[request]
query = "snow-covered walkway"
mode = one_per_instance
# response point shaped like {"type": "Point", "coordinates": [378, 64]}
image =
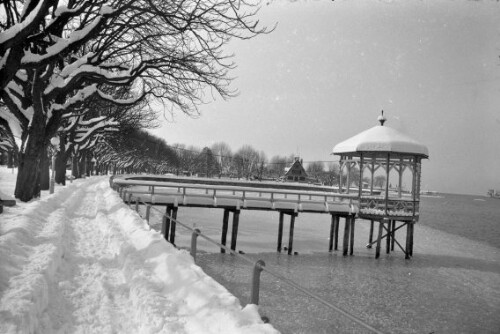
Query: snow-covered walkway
{"type": "Point", "coordinates": [80, 261]}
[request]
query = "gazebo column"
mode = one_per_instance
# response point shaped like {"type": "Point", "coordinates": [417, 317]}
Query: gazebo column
{"type": "Point", "coordinates": [372, 171]}
{"type": "Point", "coordinates": [348, 174]}
{"type": "Point", "coordinates": [400, 181]}
{"type": "Point", "coordinates": [341, 169]}
{"type": "Point", "coordinates": [361, 167]}
{"type": "Point", "coordinates": [387, 171]}
{"type": "Point", "coordinates": [414, 185]}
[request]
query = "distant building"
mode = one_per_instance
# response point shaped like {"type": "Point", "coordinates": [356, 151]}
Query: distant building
{"type": "Point", "coordinates": [295, 172]}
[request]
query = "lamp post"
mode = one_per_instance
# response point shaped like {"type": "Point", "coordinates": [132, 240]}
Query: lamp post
{"type": "Point", "coordinates": [54, 141]}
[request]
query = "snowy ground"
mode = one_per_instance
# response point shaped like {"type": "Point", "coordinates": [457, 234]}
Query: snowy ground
{"type": "Point", "coordinates": [81, 261]}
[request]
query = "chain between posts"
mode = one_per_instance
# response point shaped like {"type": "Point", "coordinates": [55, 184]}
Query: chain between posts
{"type": "Point", "coordinates": [258, 267]}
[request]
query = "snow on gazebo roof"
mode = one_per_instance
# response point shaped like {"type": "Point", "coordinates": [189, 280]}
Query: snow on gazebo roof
{"type": "Point", "coordinates": [381, 138]}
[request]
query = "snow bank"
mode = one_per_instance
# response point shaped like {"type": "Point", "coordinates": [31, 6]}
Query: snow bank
{"type": "Point", "coordinates": [81, 261]}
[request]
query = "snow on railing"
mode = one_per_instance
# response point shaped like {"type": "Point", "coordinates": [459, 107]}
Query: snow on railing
{"type": "Point", "coordinates": [240, 196]}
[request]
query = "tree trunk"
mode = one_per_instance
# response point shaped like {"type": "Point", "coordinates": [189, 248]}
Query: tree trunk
{"type": "Point", "coordinates": [88, 166]}
{"type": "Point", "coordinates": [61, 160]}
{"type": "Point", "coordinates": [10, 159]}
{"type": "Point", "coordinates": [81, 165]}
{"type": "Point", "coordinates": [28, 177]}
{"type": "Point", "coordinates": [61, 168]}
{"type": "Point", "coordinates": [75, 170]}
{"type": "Point", "coordinates": [44, 170]}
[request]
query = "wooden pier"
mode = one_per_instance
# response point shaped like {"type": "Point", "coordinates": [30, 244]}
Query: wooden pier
{"type": "Point", "coordinates": [234, 196]}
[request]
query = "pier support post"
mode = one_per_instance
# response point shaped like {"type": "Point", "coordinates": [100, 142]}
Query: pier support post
{"type": "Point", "coordinates": [225, 223]}
{"type": "Point", "coordinates": [290, 238]}
{"type": "Point", "coordinates": [393, 234]}
{"type": "Point", "coordinates": [388, 237]}
{"type": "Point", "coordinates": [412, 227]}
{"type": "Point", "coordinates": [370, 237]}
{"type": "Point", "coordinates": [280, 232]}
{"type": "Point", "coordinates": [234, 230]}
{"type": "Point", "coordinates": [408, 237]}
{"type": "Point", "coordinates": [346, 235]}
{"type": "Point", "coordinates": [351, 243]}
{"type": "Point", "coordinates": [332, 232]}
{"type": "Point", "coordinates": [379, 238]}
{"type": "Point", "coordinates": [336, 241]}
{"type": "Point", "coordinates": [173, 224]}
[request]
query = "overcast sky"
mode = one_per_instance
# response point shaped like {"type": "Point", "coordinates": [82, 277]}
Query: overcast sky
{"type": "Point", "coordinates": [329, 68]}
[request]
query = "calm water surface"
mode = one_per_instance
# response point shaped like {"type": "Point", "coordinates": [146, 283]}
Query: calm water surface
{"type": "Point", "coordinates": [452, 284]}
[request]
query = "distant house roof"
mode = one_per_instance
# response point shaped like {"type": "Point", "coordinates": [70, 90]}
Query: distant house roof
{"type": "Point", "coordinates": [296, 169]}
{"type": "Point", "coordinates": [381, 139]}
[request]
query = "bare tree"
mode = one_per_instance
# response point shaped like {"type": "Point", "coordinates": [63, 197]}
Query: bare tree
{"type": "Point", "coordinates": [224, 157]}
{"type": "Point", "coordinates": [56, 58]}
{"type": "Point", "coordinates": [316, 169]}
{"type": "Point", "coordinates": [277, 165]}
{"type": "Point", "coordinates": [246, 161]}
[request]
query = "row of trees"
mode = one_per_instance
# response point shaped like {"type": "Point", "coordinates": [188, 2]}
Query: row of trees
{"type": "Point", "coordinates": [219, 160]}
{"type": "Point", "coordinates": [90, 72]}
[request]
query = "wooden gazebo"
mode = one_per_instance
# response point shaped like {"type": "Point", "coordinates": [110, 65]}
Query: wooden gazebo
{"type": "Point", "coordinates": [392, 152]}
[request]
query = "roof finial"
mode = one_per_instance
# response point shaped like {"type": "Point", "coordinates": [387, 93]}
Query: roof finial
{"type": "Point", "coordinates": [382, 119]}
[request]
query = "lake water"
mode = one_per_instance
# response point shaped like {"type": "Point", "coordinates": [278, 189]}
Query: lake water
{"type": "Point", "coordinates": [451, 285]}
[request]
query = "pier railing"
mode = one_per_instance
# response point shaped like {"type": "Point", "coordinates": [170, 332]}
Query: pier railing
{"type": "Point", "coordinates": [239, 197]}
{"type": "Point", "coordinates": [257, 266]}
{"type": "Point", "coordinates": [390, 207]}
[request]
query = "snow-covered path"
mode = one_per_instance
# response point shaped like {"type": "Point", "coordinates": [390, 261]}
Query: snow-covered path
{"type": "Point", "coordinates": [80, 261]}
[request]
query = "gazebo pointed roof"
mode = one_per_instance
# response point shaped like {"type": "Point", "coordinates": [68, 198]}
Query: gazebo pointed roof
{"type": "Point", "coordinates": [381, 139]}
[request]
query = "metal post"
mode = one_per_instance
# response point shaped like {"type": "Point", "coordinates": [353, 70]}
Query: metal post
{"type": "Point", "coordinates": [166, 222]}
{"type": "Point", "coordinates": [194, 237]}
{"type": "Point", "coordinates": [136, 203]}
{"type": "Point", "coordinates": [254, 294]}
{"type": "Point", "coordinates": [129, 198]}
{"type": "Point", "coordinates": [148, 209]}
